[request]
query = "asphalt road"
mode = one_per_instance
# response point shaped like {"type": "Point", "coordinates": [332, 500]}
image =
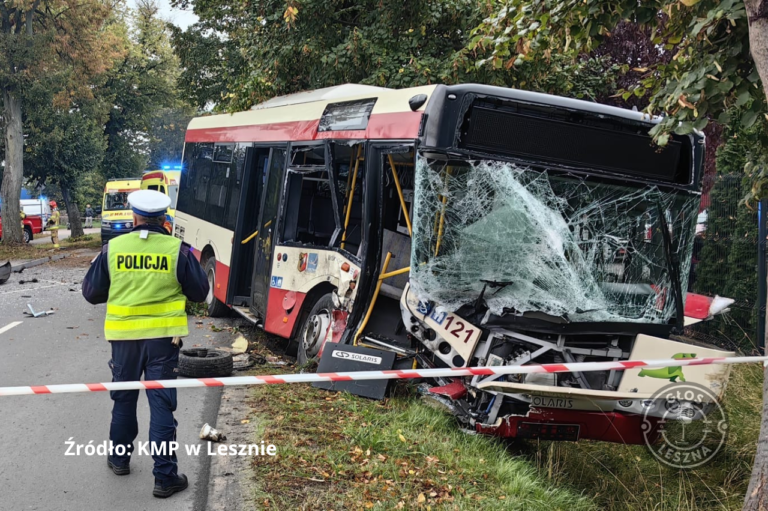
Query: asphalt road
{"type": "Point", "coordinates": [69, 347]}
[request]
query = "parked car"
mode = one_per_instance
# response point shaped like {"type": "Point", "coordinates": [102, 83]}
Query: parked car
{"type": "Point", "coordinates": [33, 224]}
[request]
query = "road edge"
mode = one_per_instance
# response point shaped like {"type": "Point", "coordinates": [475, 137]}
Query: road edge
{"type": "Point", "coordinates": [229, 486]}
{"type": "Point", "coordinates": [37, 262]}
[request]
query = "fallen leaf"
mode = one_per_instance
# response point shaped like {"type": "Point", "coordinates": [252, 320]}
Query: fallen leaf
{"type": "Point", "coordinates": [244, 421]}
{"type": "Point", "coordinates": [421, 498]}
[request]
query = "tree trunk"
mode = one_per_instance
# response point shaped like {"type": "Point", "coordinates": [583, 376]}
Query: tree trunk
{"type": "Point", "coordinates": [757, 493]}
{"type": "Point", "coordinates": [13, 172]}
{"type": "Point", "coordinates": [73, 213]}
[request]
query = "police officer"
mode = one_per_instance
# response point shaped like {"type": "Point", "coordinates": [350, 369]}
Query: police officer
{"type": "Point", "coordinates": [146, 277]}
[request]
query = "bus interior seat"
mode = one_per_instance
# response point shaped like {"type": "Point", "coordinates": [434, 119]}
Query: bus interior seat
{"type": "Point", "coordinates": [400, 247]}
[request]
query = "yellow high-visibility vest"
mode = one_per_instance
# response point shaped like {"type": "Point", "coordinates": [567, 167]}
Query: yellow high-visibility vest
{"type": "Point", "coordinates": [145, 298]}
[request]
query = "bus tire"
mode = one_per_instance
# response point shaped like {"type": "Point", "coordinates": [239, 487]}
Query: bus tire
{"type": "Point", "coordinates": [216, 309]}
{"type": "Point", "coordinates": [312, 330]}
{"type": "Point", "coordinates": [205, 363]}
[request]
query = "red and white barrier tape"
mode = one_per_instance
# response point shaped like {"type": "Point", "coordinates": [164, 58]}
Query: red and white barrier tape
{"type": "Point", "coordinates": [371, 375]}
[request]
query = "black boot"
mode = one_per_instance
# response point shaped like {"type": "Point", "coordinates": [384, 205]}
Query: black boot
{"type": "Point", "coordinates": [165, 489]}
{"type": "Point", "coordinates": [118, 469]}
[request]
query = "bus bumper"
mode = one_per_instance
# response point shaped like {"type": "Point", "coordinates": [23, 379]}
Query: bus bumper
{"type": "Point", "coordinates": [554, 424]}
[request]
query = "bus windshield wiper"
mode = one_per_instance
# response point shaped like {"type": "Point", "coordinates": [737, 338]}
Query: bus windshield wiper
{"type": "Point", "coordinates": [673, 266]}
{"type": "Point", "coordinates": [493, 284]}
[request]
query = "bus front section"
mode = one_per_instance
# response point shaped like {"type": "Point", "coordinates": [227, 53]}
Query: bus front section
{"type": "Point", "coordinates": [548, 230]}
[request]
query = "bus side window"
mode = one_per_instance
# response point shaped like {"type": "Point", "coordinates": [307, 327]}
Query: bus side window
{"type": "Point", "coordinates": [309, 213]}
{"type": "Point", "coordinates": [194, 183]}
{"type": "Point", "coordinates": [217, 193]}
{"type": "Point", "coordinates": [235, 182]}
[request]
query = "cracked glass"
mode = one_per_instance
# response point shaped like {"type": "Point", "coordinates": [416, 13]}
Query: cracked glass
{"type": "Point", "coordinates": [531, 240]}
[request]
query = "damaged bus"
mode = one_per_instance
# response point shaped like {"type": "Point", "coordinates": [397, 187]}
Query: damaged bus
{"type": "Point", "coordinates": [460, 226]}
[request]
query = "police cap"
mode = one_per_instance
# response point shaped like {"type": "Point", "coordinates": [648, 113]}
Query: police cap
{"type": "Point", "coordinates": [149, 202]}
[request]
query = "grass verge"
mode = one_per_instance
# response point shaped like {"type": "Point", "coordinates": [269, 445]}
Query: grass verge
{"type": "Point", "coordinates": [620, 477]}
{"type": "Point", "coordinates": [29, 251]}
{"type": "Point", "coordinates": [338, 451]}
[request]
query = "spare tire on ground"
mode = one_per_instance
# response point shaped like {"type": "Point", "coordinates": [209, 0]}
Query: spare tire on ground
{"type": "Point", "coordinates": [205, 363]}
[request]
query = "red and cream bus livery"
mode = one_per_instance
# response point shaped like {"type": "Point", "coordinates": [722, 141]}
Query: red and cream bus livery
{"type": "Point", "coordinates": [460, 226]}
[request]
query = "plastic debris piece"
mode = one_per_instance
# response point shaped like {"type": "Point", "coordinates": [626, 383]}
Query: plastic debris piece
{"type": "Point", "coordinates": [240, 345]}
{"type": "Point", "coordinates": [37, 314]}
{"type": "Point", "coordinates": [212, 434]}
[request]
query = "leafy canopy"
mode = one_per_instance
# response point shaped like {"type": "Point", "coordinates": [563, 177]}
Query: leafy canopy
{"type": "Point", "coordinates": [711, 74]}
{"type": "Point", "coordinates": [241, 53]}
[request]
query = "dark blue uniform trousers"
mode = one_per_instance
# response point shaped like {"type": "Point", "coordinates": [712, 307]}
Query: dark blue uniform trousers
{"type": "Point", "coordinates": [157, 359]}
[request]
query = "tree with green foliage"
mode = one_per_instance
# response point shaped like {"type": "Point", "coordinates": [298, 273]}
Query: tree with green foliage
{"type": "Point", "coordinates": [137, 89]}
{"type": "Point", "coordinates": [240, 54]}
{"type": "Point", "coordinates": [169, 125]}
{"type": "Point", "coordinates": [38, 39]}
{"type": "Point", "coordinates": [63, 147]}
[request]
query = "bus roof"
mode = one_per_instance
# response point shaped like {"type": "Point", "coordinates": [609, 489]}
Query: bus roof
{"type": "Point", "coordinates": [296, 117]}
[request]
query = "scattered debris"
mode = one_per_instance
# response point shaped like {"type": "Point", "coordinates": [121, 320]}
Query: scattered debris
{"type": "Point", "coordinates": [275, 361]}
{"type": "Point", "coordinates": [240, 345]}
{"type": "Point", "coordinates": [37, 314]}
{"type": "Point", "coordinates": [212, 434]}
{"type": "Point", "coordinates": [242, 362]}
{"type": "Point", "coordinates": [5, 272]}
{"type": "Point", "coordinates": [26, 296]}
{"type": "Point", "coordinates": [33, 281]}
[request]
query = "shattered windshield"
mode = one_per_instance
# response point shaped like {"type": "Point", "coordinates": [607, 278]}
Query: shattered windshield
{"type": "Point", "coordinates": [586, 251]}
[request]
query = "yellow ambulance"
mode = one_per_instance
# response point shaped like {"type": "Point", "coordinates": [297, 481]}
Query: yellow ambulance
{"type": "Point", "coordinates": [116, 215]}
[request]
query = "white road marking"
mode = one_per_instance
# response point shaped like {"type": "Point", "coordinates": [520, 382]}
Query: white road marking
{"type": "Point", "coordinates": [9, 326]}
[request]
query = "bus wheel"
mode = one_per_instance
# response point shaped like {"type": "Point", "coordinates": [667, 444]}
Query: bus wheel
{"type": "Point", "coordinates": [216, 309]}
{"type": "Point", "coordinates": [313, 330]}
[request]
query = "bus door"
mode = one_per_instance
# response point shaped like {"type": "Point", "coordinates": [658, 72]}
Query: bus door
{"type": "Point", "coordinates": [270, 180]}
{"type": "Point", "coordinates": [246, 227]}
